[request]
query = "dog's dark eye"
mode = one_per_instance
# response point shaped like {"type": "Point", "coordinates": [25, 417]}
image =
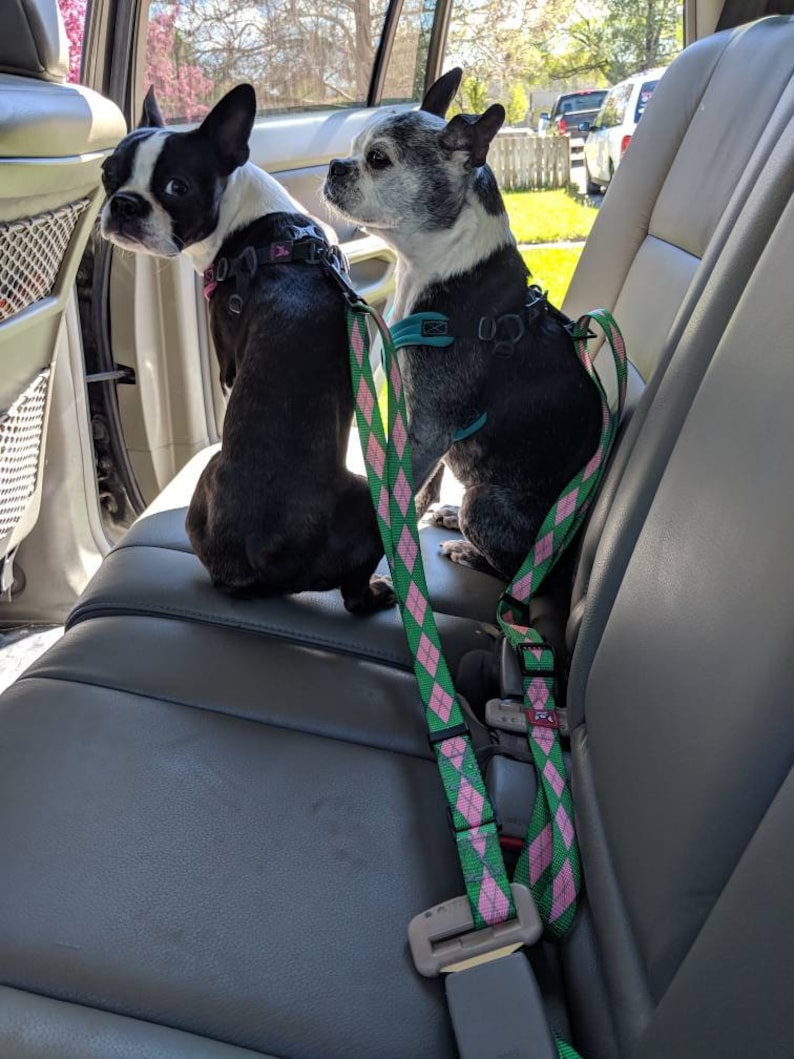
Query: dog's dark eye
{"type": "Point", "coordinates": [378, 160]}
{"type": "Point", "coordinates": [176, 187]}
{"type": "Point", "coordinates": [108, 175]}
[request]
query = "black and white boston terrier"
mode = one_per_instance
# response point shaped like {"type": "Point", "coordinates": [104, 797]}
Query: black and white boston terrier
{"type": "Point", "coordinates": [423, 185]}
{"type": "Point", "coordinates": [275, 511]}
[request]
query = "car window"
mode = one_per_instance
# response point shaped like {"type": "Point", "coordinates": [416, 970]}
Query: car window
{"type": "Point", "coordinates": [585, 101]}
{"type": "Point", "coordinates": [300, 55]}
{"type": "Point", "coordinates": [646, 91]}
{"type": "Point", "coordinates": [405, 76]}
{"type": "Point", "coordinates": [614, 109]}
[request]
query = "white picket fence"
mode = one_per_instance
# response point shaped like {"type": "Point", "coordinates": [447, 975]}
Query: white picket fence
{"type": "Point", "coordinates": [524, 160]}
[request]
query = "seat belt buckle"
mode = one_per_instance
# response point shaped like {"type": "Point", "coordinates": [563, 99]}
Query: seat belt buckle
{"type": "Point", "coordinates": [443, 938]}
{"type": "Point", "coordinates": [506, 715]}
{"type": "Point", "coordinates": [497, 1010]}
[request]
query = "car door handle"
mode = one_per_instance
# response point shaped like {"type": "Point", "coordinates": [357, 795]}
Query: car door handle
{"type": "Point", "coordinates": [372, 266]}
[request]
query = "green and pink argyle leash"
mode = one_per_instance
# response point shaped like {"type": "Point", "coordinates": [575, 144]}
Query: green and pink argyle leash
{"type": "Point", "coordinates": [549, 861]}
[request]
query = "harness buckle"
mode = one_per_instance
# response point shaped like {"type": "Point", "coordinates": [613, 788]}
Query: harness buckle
{"type": "Point", "coordinates": [443, 938]}
{"type": "Point", "coordinates": [221, 269]}
{"type": "Point", "coordinates": [235, 304]}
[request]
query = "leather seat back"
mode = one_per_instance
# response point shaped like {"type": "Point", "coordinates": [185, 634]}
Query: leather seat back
{"type": "Point", "coordinates": [674, 209]}
{"type": "Point", "coordinates": [53, 138]}
{"type": "Point", "coordinates": [680, 694]}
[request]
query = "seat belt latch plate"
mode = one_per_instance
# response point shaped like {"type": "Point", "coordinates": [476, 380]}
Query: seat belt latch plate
{"type": "Point", "coordinates": [443, 938]}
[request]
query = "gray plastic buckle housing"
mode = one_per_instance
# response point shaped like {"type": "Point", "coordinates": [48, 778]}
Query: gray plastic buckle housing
{"type": "Point", "coordinates": [508, 716]}
{"type": "Point", "coordinates": [513, 787]}
{"type": "Point", "coordinates": [444, 939]}
{"type": "Point", "coordinates": [497, 1011]}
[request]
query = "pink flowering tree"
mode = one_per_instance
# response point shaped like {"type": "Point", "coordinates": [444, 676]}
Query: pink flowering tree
{"type": "Point", "coordinates": [184, 92]}
{"type": "Point", "coordinates": [73, 12]}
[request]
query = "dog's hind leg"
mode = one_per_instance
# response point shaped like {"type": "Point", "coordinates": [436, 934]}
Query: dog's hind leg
{"type": "Point", "coordinates": [429, 494]}
{"type": "Point", "coordinates": [499, 525]}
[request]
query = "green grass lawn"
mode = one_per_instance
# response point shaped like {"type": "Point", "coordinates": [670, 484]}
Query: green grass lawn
{"type": "Point", "coordinates": [552, 268]}
{"type": "Point", "coordinates": [548, 216]}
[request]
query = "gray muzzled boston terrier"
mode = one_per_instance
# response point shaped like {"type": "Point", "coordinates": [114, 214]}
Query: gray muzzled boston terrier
{"type": "Point", "coordinates": [423, 185]}
{"type": "Point", "coordinates": [275, 511]}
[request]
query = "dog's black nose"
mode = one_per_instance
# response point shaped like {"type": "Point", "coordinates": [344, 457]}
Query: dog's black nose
{"type": "Point", "coordinates": [126, 207]}
{"type": "Point", "coordinates": [339, 167]}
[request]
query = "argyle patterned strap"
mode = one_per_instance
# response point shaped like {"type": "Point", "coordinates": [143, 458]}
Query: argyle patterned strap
{"type": "Point", "coordinates": [549, 862]}
{"type": "Point", "coordinates": [565, 1050]}
{"type": "Point", "coordinates": [391, 484]}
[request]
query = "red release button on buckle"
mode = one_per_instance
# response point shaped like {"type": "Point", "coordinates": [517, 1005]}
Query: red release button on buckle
{"type": "Point", "coordinates": [542, 718]}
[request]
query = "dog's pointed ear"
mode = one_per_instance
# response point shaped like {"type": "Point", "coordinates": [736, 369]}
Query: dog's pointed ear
{"type": "Point", "coordinates": [151, 116]}
{"type": "Point", "coordinates": [228, 126]}
{"type": "Point", "coordinates": [473, 134]}
{"type": "Point", "coordinates": [441, 93]}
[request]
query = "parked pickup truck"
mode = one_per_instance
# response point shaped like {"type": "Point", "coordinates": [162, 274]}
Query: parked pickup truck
{"type": "Point", "coordinates": [572, 108]}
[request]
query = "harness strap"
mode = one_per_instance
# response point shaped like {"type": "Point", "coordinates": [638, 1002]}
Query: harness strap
{"type": "Point", "coordinates": [307, 244]}
{"type": "Point", "coordinates": [505, 331]}
{"type": "Point", "coordinates": [472, 428]}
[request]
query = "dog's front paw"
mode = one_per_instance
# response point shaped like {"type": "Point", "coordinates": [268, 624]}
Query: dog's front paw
{"type": "Point", "coordinates": [378, 595]}
{"type": "Point", "coordinates": [446, 515]}
{"type": "Point", "coordinates": [383, 594]}
{"type": "Point", "coordinates": [464, 553]}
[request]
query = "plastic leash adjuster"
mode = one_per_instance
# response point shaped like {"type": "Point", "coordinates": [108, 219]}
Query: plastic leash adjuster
{"type": "Point", "coordinates": [443, 938]}
{"type": "Point", "coordinates": [531, 666]}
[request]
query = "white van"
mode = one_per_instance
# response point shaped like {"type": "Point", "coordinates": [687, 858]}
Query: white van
{"type": "Point", "coordinates": [611, 132]}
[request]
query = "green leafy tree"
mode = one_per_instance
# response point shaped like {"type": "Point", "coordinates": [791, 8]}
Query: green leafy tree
{"type": "Point", "coordinates": [517, 105]}
{"type": "Point", "coordinates": [473, 95]}
{"type": "Point", "coordinates": [620, 39]}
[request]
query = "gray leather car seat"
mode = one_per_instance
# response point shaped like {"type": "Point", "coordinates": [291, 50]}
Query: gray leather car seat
{"type": "Point", "coordinates": [216, 833]}
{"type": "Point", "coordinates": [53, 137]}
{"type": "Point", "coordinates": [676, 199]}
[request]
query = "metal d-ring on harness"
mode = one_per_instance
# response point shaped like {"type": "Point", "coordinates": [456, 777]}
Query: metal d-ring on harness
{"type": "Point", "coordinates": [504, 331]}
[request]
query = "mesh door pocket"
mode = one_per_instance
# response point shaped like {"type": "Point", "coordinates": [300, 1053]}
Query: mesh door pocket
{"type": "Point", "coordinates": [31, 253]}
{"type": "Point", "coordinates": [21, 430]}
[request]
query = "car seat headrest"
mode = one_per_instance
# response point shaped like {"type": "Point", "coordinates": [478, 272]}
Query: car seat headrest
{"type": "Point", "coordinates": [33, 42]}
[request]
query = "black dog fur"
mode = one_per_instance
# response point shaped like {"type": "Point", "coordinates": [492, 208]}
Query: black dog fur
{"type": "Point", "coordinates": [275, 511]}
{"type": "Point", "coordinates": [424, 186]}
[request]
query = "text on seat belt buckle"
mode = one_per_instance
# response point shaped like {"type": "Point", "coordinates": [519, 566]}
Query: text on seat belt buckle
{"type": "Point", "coordinates": [443, 938]}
